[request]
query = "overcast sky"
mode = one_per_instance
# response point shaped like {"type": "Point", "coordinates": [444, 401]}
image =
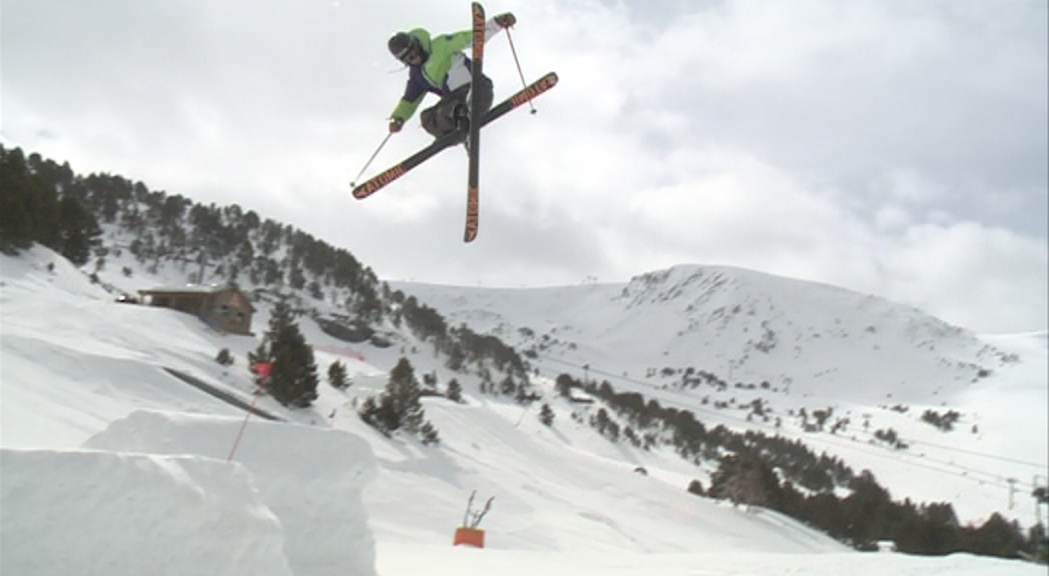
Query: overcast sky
{"type": "Point", "coordinates": [894, 147]}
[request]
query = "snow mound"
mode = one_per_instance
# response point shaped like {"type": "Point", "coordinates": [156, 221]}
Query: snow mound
{"type": "Point", "coordinates": [132, 514]}
{"type": "Point", "coordinates": [311, 479]}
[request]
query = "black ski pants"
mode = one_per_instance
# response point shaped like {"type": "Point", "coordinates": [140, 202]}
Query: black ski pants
{"type": "Point", "coordinates": [440, 119]}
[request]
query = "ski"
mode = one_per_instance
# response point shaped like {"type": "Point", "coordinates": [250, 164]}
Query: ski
{"type": "Point", "coordinates": [382, 179]}
{"type": "Point", "coordinates": [474, 172]}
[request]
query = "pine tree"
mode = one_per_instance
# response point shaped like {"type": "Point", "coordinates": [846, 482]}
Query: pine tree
{"type": "Point", "coordinates": [456, 357]}
{"type": "Point", "coordinates": [996, 537]}
{"type": "Point", "coordinates": [563, 385]}
{"type": "Point", "coordinates": [16, 214]}
{"type": "Point", "coordinates": [403, 389]}
{"type": "Point", "coordinates": [369, 412]}
{"type": "Point", "coordinates": [745, 479]}
{"type": "Point", "coordinates": [399, 407]}
{"type": "Point", "coordinates": [428, 433]}
{"type": "Point", "coordinates": [337, 375]}
{"type": "Point", "coordinates": [28, 205]}
{"type": "Point", "coordinates": [454, 391]}
{"type": "Point", "coordinates": [78, 229]}
{"type": "Point", "coordinates": [507, 386]}
{"type": "Point", "coordinates": [293, 379]}
{"type": "Point", "coordinates": [546, 415]}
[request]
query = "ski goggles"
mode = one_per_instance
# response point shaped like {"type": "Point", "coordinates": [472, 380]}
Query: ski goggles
{"type": "Point", "coordinates": [406, 55]}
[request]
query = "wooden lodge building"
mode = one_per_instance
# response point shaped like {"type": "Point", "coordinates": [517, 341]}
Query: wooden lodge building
{"type": "Point", "coordinates": [221, 307]}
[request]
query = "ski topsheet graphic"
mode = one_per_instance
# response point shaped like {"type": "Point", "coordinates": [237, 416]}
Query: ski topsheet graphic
{"type": "Point", "coordinates": [473, 208]}
{"type": "Point", "coordinates": [525, 95]}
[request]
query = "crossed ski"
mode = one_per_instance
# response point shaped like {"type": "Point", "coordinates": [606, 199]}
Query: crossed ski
{"type": "Point", "coordinates": [473, 197]}
{"type": "Point", "coordinates": [478, 119]}
{"type": "Point", "coordinates": [383, 178]}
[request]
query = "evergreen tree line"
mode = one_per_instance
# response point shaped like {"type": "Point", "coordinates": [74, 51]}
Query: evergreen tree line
{"type": "Point", "coordinates": [461, 344]}
{"type": "Point", "coordinates": [868, 514]}
{"type": "Point", "coordinates": [31, 210]}
{"type": "Point", "coordinates": [230, 242]}
{"type": "Point", "coordinates": [42, 201]}
{"type": "Point", "coordinates": [693, 440]}
{"type": "Point", "coordinates": [785, 475]}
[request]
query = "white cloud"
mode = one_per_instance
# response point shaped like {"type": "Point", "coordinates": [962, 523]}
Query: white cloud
{"type": "Point", "coordinates": [856, 143]}
{"type": "Point", "coordinates": [984, 278]}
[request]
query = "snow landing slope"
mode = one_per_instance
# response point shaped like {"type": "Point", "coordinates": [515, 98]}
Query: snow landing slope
{"type": "Point", "coordinates": [109, 465]}
{"type": "Point", "coordinates": [794, 345]}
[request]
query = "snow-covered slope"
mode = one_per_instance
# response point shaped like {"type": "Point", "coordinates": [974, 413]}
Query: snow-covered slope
{"type": "Point", "coordinates": [796, 345]}
{"type": "Point", "coordinates": [120, 450]}
{"type": "Point", "coordinates": [802, 337]}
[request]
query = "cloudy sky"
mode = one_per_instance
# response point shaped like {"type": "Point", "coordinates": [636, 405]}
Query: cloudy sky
{"type": "Point", "coordinates": [894, 147]}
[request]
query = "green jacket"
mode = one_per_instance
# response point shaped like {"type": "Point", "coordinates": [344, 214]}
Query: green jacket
{"type": "Point", "coordinates": [445, 69]}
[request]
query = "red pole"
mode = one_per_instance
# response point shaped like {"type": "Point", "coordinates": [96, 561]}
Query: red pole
{"type": "Point", "coordinates": [240, 433]}
{"type": "Point", "coordinates": [262, 370]}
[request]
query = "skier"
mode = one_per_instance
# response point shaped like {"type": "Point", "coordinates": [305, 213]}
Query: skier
{"type": "Point", "coordinates": [438, 65]}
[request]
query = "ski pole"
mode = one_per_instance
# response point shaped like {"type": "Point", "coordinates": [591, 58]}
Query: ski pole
{"type": "Point", "coordinates": [518, 63]}
{"type": "Point", "coordinates": [369, 162]}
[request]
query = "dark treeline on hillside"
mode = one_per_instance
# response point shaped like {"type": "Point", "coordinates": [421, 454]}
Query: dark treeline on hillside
{"type": "Point", "coordinates": [42, 202]}
{"type": "Point", "coordinates": [231, 244]}
{"type": "Point", "coordinates": [786, 476]}
{"type": "Point", "coordinates": [46, 202]}
{"type": "Point", "coordinates": [461, 344]}
{"type": "Point", "coordinates": [693, 440]}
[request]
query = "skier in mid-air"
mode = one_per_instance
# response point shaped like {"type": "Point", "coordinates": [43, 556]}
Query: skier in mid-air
{"type": "Point", "coordinates": [437, 65]}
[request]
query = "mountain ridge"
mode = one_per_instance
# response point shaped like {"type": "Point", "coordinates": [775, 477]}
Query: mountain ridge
{"type": "Point", "coordinates": [742, 324]}
{"type": "Point", "coordinates": [739, 348]}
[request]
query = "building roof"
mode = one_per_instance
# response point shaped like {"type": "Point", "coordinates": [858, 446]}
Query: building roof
{"type": "Point", "coordinates": [187, 289]}
{"type": "Point", "coordinates": [190, 289]}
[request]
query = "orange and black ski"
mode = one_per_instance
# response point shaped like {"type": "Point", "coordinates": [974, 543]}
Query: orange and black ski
{"type": "Point", "coordinates": [379, 181]}
{"type": "Point", "coordinates": [473, 208]}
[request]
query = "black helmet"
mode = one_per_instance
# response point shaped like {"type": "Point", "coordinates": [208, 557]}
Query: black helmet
{"type": "Point", "coordinates": [402, 45]}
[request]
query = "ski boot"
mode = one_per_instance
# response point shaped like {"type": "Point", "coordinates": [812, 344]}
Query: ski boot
{"type": "Point", "coordinates": [462, 124]}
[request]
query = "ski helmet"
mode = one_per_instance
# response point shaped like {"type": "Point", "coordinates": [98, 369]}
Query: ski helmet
{"type": "Point", "coordinates": [402, 45]}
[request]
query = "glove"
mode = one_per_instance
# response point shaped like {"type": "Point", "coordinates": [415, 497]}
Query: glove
{"type": "Point", "coordinates": [505, 20]}
{"type": "Point", "coordinates": [396, 124]}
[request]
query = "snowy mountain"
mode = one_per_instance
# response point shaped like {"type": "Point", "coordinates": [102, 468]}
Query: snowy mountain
{"type": "Point", "coordinates": [718, 340]}
{"type": "Point", "coordinates": [801, 338]}
{"type": "Point", "coordinates": [111, 465]}
{"type": "Point", "coordinates": [611, 423]}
